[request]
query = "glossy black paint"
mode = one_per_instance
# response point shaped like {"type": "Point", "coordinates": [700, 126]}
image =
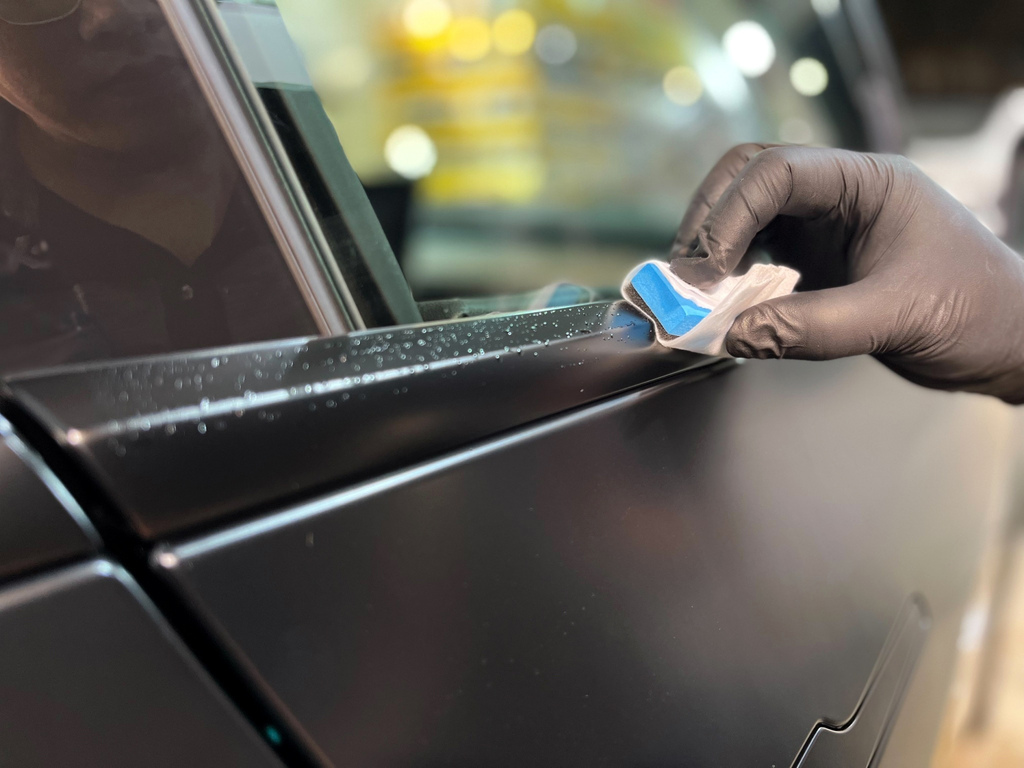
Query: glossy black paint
{"type": "Point", "coordinates": [698, 573]}
{"type": "Point", "coordinates": [40, 524]}
{"type": "Point", "coordinates": [92, 677]}
{"type": "Point", "coordinates": [177, 442]}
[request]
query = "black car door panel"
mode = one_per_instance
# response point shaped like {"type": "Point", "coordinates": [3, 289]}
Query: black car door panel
{"type": "Point", "coordinates": [861, 742]}
{"type": "Point", "coordinates": [93, 677]}
{"type": "Point", "coordinates": [698, 572]}
{"type": "Point", "coordinates": [40, 523]}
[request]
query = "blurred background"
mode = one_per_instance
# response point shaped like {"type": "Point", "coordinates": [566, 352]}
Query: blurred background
{"type": "Point", "coordinates": [510, 144]}
{"type": "Point", "coordinates": [507, 145]}
{"type": "Point", "coordinates": [524, 153]}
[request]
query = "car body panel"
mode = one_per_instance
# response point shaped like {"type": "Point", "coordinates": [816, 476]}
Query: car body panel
{"type": "Point", "coordinates": [92, 676]}
{"type": "Point", "coordinates": [697, 572]}
{"type": "Point", "coordinates": [528, 538]}
{"type": "Point", "coordinates": [40, 523]}
{"type": "Point", "coordinates": [256, 425]}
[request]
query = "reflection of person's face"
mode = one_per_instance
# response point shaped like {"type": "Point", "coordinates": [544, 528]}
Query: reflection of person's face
{"type": "Point", "coordinates": [110, 76]}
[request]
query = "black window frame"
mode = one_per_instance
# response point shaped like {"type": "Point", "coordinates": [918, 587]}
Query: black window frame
{"type": "Point", "coordinates": [345, 247]}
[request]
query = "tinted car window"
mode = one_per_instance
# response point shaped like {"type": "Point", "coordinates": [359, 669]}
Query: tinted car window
{"type": "Point", "coordinates": [127, 227]}
{"type": "Point", "coordinates": [534, 150]}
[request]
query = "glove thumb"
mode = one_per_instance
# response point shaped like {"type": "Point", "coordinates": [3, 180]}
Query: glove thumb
{"type": "Point", "coordinates": [817, 325]}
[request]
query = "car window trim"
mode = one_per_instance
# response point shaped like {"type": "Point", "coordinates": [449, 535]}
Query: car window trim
{"type": "Point", "coordinates": [303, 136]}
{"type": "Point", "coordinates": [237, 110]}
{"type": "Point", "coordinates": [297, 408]}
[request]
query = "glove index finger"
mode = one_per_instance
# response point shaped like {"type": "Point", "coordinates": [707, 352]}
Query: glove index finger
{"type": "Point", "coordinates": [710, 191]}
{"type": "Point", "coordinates": [797, 181]}
{"type": "Point", "coordinates": [750, 202]}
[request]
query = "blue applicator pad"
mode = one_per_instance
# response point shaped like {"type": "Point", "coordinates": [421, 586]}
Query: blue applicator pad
{"type": "Point", "coordinates": [677, 314]}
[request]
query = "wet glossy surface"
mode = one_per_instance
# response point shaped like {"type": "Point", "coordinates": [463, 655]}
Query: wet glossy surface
{"type": "Point", "coordinates": [93, 677]}
{"type": "Point", "coordinates": [696, 574]}
{"type": "Point", "coordinates": [40, 524]}
{"type": "Point", "coordinates": [181, 441]}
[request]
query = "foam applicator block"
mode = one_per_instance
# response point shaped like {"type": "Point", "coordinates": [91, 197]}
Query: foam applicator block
{"type": "Point", "coordinates": [688, 318]}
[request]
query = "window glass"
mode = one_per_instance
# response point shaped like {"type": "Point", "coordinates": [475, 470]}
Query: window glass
{"type": "Point", "coordinates": [126, 227]}
{"type": "Point", "coordinates": [536, 149]}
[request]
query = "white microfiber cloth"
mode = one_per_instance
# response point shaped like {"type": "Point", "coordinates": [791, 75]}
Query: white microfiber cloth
{"type": "Point", "coordinates": [688, 318]}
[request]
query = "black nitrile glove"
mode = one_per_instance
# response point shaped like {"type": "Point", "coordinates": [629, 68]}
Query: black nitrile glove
{"type": "Point", "coordinates": [893, 266]}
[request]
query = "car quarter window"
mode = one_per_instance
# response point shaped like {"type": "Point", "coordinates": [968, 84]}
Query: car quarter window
{"type": "Point", "coordinates": [127, 225]}
{"type": "Point", "coordinates": [526, 153]}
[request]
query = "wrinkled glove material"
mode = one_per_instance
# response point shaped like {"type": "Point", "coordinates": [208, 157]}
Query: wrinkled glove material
{"type": "Point", "coordinates": [688, 318]}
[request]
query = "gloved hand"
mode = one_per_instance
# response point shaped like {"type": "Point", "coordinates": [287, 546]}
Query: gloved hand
{"type": "Point", "coordinates": [893, 266]}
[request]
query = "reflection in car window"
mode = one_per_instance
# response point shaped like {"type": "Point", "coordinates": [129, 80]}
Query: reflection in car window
{"type": "Point", "coordinates": [538, 148]}
{"type": "Point", "coordinates": [126, 226]}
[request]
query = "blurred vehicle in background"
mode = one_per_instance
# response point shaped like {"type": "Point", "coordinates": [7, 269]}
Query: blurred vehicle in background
{"type": "Point", "coordinates": [963, 73]}
{"type": "Point", "coordinates": [961, 66]}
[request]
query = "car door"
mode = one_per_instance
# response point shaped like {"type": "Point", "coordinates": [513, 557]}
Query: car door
{"type": "Point", "coordinates": [527, 537]}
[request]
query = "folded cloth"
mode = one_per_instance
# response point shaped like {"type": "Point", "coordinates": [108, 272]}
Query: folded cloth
{"type": "Point", "coordinates": [688, 318]}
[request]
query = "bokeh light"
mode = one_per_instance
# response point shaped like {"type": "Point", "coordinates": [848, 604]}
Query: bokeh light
{"type": "Point", "coordinates": [425, 19]}
{"type": "Point", "coordinates": [514, 32]}
{"type": "Point", "coordinates": [722, 81]}
{"type": "Point", "coordinates": [469, 38]}
{"type": "Point", "coordinates": [683, 86]}
{"type": "Point", "coordinates": [410, 152]}
{"type": "Point", "coordinates": [826, 7]}
{"type": "Point", "coordinates": [556, 44]}
{"type": "Point", "coordinates": [808, 76]}
{"type": "Point", "coordinates": [750, 47]}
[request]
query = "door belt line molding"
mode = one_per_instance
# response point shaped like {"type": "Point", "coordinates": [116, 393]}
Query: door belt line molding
{"type": "Point", "coordinates": [295, 409]}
